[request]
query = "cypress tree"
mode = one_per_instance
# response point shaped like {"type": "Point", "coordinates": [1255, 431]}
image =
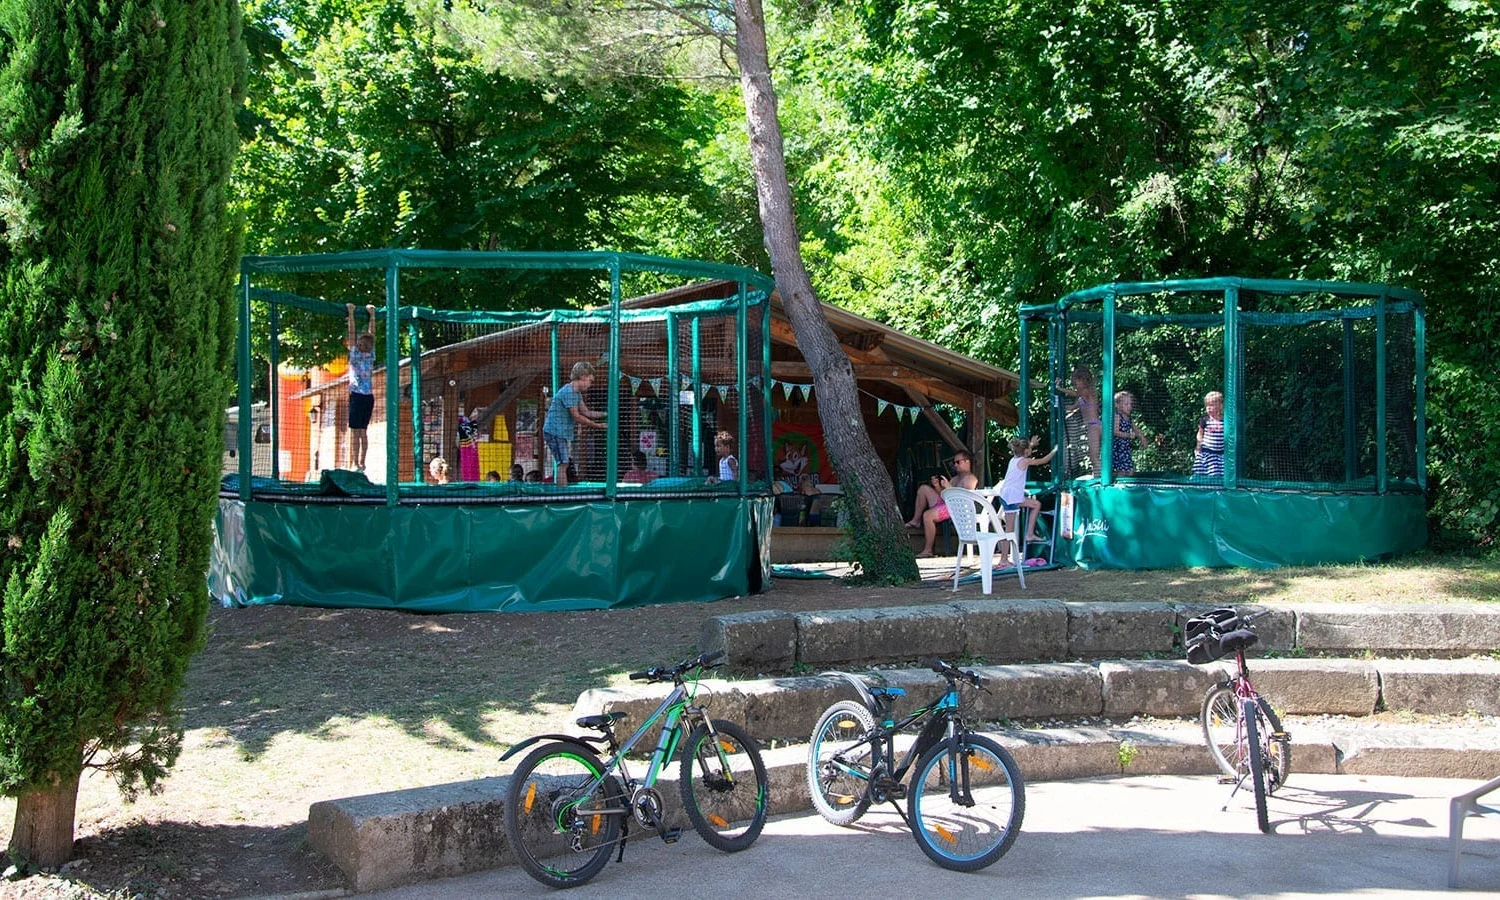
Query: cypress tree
{"type": "Point", "coordinates": [117, 264]}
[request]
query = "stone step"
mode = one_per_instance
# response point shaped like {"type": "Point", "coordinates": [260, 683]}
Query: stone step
{"type": "Point", "coordinates": [787, 708]}
{"type": "Point", "coordinates": [401, 837]}
{"type": "Point", "coordinates": [1002, 631]}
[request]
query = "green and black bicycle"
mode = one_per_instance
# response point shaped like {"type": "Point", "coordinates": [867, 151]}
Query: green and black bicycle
{"type": "Point", "coordinates": [965, 799]}
{"type": "Point", "coordinates": [566, 809]}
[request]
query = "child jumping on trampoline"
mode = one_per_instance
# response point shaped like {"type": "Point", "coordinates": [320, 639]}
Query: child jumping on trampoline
{"type": "Point", "coordinates": [361, 386]}
{"type": "Point", "coordinates": [1013, 489]}
{"type": "Point", "coordinates": [566, 412]}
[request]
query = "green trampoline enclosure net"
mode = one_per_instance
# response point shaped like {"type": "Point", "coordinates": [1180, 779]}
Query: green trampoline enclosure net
{"type": "Point", "coordinates": [1321, 384]}
{"type": "Point", "coordinates": [481, 344]}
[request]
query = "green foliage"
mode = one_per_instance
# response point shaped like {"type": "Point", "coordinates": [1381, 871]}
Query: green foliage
{"type": "Point", "coordinates": [375, 126]}
{"type": "Point", "coordinates": [117, 263]}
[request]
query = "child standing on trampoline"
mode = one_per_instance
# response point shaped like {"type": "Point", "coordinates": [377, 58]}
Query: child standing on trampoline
{"type": "Point", "coordinates": [361, 386]}
{"type": "Point", "coordinates": [566, 412]}
{"type": "Point", "coordinates": [1082, 387]}
{"type": "Point", "coordinates": [1208, 456]}
{"type": "Point", "coordinates": [1122, 458]}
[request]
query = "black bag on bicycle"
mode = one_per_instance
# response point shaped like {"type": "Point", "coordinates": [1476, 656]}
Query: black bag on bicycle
{"type": "Point", "coordinates": [1201, 637]}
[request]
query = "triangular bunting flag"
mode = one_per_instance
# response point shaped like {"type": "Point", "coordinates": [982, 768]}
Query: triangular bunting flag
{"type": "Point", "coordinates": [915, 412]}
{"type": "Point", "coordinates": [655, 385]}
{"type": "Point", "coordinates": [786, 391]}
{"type": "Point", "coordinates": [880, 408]}
{"type": "Point", "coordinates": [755, 381]}
{"type": "Point", "coordinates": [806, 390]}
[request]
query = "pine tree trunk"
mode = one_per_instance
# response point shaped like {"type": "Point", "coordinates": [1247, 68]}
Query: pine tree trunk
{"type": "Point", "coordinates": [882, 550]}
{"type": "Point", "coordinates": [43, 835]}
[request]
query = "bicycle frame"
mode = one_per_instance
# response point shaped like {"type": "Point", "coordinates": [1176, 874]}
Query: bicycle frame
{"type": "Point", "coordinates": [944, 721]}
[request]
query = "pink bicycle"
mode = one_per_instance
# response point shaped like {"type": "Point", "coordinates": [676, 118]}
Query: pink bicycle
{"type": "Point", "coordinates": [1243, 733]}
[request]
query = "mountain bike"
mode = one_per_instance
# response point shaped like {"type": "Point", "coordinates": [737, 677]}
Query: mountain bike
{"type": "Point", "coordinates": [565, 808]}
{"type": "Point", "coordinates": [966, 797]}
{"type": "Point", "coordinates": [1243, 733]}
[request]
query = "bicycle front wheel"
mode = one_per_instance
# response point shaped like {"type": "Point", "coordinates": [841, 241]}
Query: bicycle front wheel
{"type": "Point", "coordinates": [1277, 745]}
{"type": "Point", "coordinates": [561, 818]}
{"type": "Point", "coordinates": [1255, 741]}
{"type": "Point", "coordinates": [838, 762]}
{"type": "Point", "coordinates": [967, 802]}
{"type": "Point", "coordinates": [724, 786]}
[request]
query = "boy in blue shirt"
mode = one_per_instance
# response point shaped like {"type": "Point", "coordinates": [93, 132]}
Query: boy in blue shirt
{"type": "Point", "coordinates": [566, 412]}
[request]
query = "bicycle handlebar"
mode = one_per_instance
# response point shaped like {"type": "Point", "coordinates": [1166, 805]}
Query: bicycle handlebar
{"type": "Point", "coordinates": [672, 673]}
{"type": "Point", "coordinates": [953, 673]}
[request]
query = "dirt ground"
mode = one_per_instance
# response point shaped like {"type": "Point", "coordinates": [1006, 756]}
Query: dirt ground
{"type": "Point", "coordinates": [288, 706]}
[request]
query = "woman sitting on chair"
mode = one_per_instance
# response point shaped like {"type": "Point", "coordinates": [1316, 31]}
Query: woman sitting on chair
{"type": "Point", "coordinates": [930, 506]}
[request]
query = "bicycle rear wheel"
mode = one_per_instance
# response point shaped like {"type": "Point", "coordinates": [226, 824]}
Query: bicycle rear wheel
{"type": "Point", "coordinates": [1257, 742]}
{"type": "Point", "coordinates": [967, 802]}
{"type": "Point", "coordinates": [838, 762]}
{"type": "Point", "coordinates": [724, 786]}
{"type": "Point", "coordinates": [559, 828]}
{"type": "Point", "coordinates": [1220, 718]}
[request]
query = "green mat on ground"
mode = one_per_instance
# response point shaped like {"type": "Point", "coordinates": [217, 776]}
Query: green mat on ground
{"type": "Point", "coordinates": [794, 572]}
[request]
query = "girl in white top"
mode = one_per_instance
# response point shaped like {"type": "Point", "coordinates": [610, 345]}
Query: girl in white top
{"type": "Point", "coordinates": [729, 467]}
{"type": "Point", "coordinates": [1013, 488]}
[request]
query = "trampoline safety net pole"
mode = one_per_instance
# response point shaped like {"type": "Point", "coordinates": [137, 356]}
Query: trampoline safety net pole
{"type": "Point", "coordinates": [612, 403]}
{"type": "Point", "coordinates": [243, 435]}
{"type": "Point", "coordinates": [392, 386]}
{"type": "Point", "coordinates": [741, 348]}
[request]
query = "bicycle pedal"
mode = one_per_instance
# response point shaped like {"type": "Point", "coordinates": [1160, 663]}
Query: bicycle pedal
{"type": "Point", "coordinates": [1228, 779]}
{"type": "Point", "coordinates": [670, 835]}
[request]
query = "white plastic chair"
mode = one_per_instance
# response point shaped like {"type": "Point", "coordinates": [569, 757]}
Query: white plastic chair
{"type": "Point", "coordinates": [977, 523]}
{"type": "Point", "coordinates": [1460, 808]}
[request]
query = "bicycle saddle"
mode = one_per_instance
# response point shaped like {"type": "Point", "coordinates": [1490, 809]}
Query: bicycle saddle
{"type": "Point", "coordinates": [601, 721]}
{"type": "Point", "coordinates": [1239, 639]}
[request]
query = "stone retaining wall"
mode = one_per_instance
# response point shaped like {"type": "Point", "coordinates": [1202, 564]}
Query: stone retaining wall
{"type": "Point", "coordinates": [1001, 631]}
{"type": "Point", "coordinates": [787, 708]}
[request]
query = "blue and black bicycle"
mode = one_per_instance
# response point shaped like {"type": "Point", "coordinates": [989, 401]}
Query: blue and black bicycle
{"type": "Point", "coordinates": [965, 798]}
{"type": "Point", "coordinates": [566, 809]}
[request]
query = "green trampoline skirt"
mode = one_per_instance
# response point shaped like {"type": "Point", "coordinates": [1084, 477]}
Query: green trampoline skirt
{"type": "Point", "coordinates": [517, 557]}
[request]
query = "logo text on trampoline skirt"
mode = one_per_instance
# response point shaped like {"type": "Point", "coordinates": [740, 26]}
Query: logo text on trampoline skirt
{"type": "Point", "coordinates": [1093, 527]}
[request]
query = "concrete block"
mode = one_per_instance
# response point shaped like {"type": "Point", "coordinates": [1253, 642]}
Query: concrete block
{"type": "Point", "coordinates": [1002, 631]}
{"type": "Point", "coordinates": [1062, 753]}
{"type": "Point", "coordinates": [1434, 628]}
{"type": "Point", "coordinates": [764, 641]}
{"type": "Point", "coordinates": [1166, 687]}
{"type": "Point", "coordinates": [399, 837]}
{"type": "Point", "coordinates": [1318, 686]}
{"type": "Point", "coordinates": [1142, 752]}
{"type": "Point", "coordinates": [891, 634]}
{"type": "Point", "coordinates": [1276, 629]}
{"type": "Point", "coordinates": [1479, 764]}
{"type": "Point", "coordinates": [1453, 686]}
{"type": "Point", "coordinates": [1040, 690]}
{"type": "Point", "coordinates": [1110, 630]}
{"type": "Point", "coordinates": [1313, 757]}
{"type": "Point", "coordinates": [787, 708]}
